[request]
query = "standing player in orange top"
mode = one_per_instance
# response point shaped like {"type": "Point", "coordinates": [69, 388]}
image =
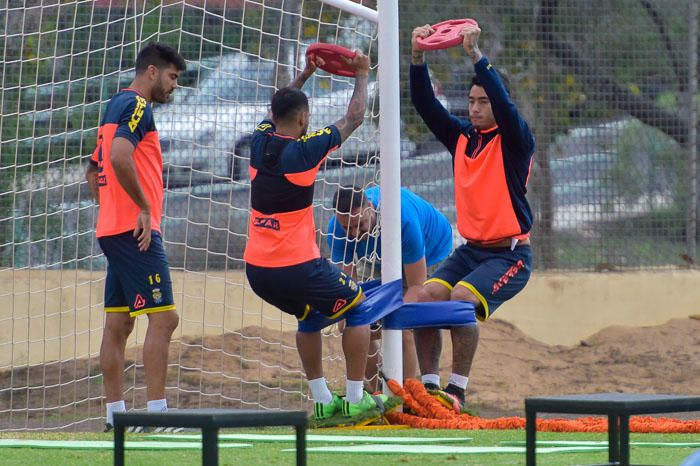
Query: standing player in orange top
{"type": "Point", "coordinates": [283, 262]}
{"type": "Point", "coordinates": [492, 153]}
{"type": "Point", "coordinates": [125, 175]}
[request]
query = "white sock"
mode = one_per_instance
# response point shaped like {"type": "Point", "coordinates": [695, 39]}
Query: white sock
{"type": "Point", "coordinates": [319, 391]}
{"type": "Point", "coordinates": [157, 405]}
{"type": "Point", "coordinates": [459, 380]}
{"type": "Point", "coordinates": [114, 407]}
{"type": "Point", "coordinates": [353, 390]}
{"type": "Point", "coordinates": [430, 378]}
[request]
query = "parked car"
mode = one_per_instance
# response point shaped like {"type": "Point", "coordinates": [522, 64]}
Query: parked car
{"type": "Point", "coordinates": [207, 130]}
{"type": "Point", "coordinates": [613, 170]}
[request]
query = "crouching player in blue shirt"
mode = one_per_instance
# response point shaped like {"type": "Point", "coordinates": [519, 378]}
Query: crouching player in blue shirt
{"type": "Point", "coordinates": [354, 234]}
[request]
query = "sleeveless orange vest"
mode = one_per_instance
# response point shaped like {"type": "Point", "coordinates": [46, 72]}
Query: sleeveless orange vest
{"type": "Point", "coordinates": [484, 207]}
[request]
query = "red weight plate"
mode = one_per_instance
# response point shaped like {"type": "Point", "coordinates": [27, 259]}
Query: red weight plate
{"type": "Point", "coordinates": [332, 56]}
{"type": "Point", "coordinates": [446, 34]}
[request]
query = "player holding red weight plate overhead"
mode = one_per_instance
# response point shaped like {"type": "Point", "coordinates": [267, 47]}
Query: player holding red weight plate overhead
{"type": "Point", "coordinates": [492, 154]}
{"type": "Point", "coordinates": [283, 262]}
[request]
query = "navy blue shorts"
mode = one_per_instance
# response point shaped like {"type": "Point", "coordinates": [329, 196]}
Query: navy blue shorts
{"type": "Point", "coordinates": [494, 275]}
{"type": "Point", "coordinates": [137, 282]}
{"type": "Point", "coordinates": [297, 289]}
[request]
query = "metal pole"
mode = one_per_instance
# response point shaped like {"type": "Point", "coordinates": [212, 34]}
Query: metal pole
{"type": "Point", "coordinates": [301, 445]}
{"type": "Point", "coordinates": [387, 15]}
{"type": "Point", "coordinates": [530, 435]}
{"type": "Point", "coordinates": [356, 9]}
{"type": "Point", "coordinates": [210, 446]}
{"type": "Point", "coordinates": [692, 220]}
{"type": "Point", "coordinates": [390, 181]}
{"type": "Point", "coordinates": [119, 445]}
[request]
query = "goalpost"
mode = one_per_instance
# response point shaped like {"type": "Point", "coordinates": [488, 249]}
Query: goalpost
{"type": "Point", "coordinates": [61, 63]}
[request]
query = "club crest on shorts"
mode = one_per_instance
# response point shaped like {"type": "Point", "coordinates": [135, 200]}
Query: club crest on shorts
{"type": "Point", "coordinates": [157, 296]}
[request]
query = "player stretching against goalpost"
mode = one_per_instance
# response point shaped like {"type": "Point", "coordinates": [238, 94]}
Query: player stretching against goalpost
{"type": "Point", "coordinates": [125, 175]}
{"type": "Point", "coordinates": [492, 153]}
{"type": "Point", "coordinates": [283, 262]}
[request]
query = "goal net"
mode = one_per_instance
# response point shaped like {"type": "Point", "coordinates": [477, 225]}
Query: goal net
{"type": "Point", "coordinates": [61, 63]}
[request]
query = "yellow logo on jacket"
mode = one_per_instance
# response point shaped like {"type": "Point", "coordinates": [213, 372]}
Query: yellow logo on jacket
{"type": "Point", "coordinates": [138, 113]}
{"type": "Point", "coordinates": [319, 132]}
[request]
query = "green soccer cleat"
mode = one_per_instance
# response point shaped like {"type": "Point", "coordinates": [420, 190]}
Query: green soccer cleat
{"type": "Point", "coordinates": [326, 410]}
{"type": "Point", "coordinates": [367, 403]}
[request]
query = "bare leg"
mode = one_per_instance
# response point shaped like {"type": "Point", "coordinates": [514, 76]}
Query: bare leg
{"type": "Point", "coordinates": [161, 326]}
{"type": "Point", "coordinates": [464, 343]}
{"type": "Point", "coordinates": [465, 339]}
{"type": "Point", "coordinates": [118, 327]}
{"type": "Point", "coordinates": [355, 346]}
{"type": "Point", "coordinates": [410, 361]}
{"type": "Point", "coordinates": [428, 347]}
{"type": "Point", "coordinates": [428, 340]}
{"type": "Point", "coordinates": [310, 348]}
{"type": "Point", "coordinates": [371, 370]}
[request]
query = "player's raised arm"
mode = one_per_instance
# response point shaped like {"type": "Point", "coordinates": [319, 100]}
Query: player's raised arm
{"type": "Point", "coordinates": [470, 41]}
{"type": "Point", "coordinates": [417, 53]}
{"type": "Point", "coordinates": [312, 63]}
{"type": "Point", "coordinates": [441, 123]}
{"type": "Point", "coordinates": [515, 130]}
{"type": "Point", "coordinates": [358, 103]}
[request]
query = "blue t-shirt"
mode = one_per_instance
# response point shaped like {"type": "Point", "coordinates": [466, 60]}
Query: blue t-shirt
{"type": "Point", "coordinates": [425, 232]}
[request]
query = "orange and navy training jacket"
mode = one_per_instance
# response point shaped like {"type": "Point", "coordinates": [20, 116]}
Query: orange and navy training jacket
{"type": "Point", "coordinates": [128, 116]}
{"type": "Point", "coordinates": [491, 167]}
{"type": "Point", "coordinates": [281, 229]}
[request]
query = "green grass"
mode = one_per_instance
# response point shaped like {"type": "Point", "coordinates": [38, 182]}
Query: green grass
{"type": "Point", "coordinates": [265, 454]}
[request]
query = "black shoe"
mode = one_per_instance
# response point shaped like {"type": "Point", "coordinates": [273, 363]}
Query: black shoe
{"type": "Point", "coordinates": [431, 386]}
{"type": "Point", "coordinates": [456, 392]}
{"type": "Point", "coordinates": [108, 427]}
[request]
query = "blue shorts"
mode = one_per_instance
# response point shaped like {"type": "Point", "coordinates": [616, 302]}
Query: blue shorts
{"type": "Point", "coordinates": [494, 275]}
{"type": "Point", "coordinates": [296, 289]}
{"type": "Point", "coordinates": [137, 282]}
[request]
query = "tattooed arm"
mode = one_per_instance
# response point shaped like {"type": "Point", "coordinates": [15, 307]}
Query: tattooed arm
{"type": "Point", "coordinates": [358, 103]}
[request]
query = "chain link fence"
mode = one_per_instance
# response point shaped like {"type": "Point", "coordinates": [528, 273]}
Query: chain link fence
{"type": "Point", "coordinates": [609, 88]}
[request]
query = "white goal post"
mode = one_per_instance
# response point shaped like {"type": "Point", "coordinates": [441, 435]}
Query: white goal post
{"type": "Point", "coordinates": [387, 17]}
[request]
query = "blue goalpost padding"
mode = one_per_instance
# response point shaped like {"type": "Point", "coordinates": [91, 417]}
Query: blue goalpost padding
{"type": "Point", "coordinates": [385, 302]}
{"type": "Point", "coordinates": [380, 300]}
{"type": "Point", "coordinates": [434, 314]}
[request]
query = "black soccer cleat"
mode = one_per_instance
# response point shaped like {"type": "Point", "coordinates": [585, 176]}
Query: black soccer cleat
{"type": "Point", "coordinates": [431, 386]}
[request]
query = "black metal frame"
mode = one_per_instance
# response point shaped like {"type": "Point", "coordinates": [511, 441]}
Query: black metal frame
{"type": "Point", "coordinates": [210, 421]}
{"type": "Point", "coordinates": [617, 406]}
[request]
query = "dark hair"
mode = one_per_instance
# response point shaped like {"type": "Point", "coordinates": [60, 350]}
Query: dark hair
{"type": "Point", "coordinates": [287, 102]}
{"type": "Point", "coordinates": [346, 200]}
{"type": "Point", "coordinates": [160, 56]}
{"type": "Point", "coordinates": [504, 78]}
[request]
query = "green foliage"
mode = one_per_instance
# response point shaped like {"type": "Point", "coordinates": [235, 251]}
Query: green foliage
{"type": "Point", "coordinates": [649, 163]}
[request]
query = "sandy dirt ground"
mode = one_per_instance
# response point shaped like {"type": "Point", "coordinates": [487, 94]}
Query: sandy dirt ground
{"type": "Point", "coordinates": [255, 363]}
